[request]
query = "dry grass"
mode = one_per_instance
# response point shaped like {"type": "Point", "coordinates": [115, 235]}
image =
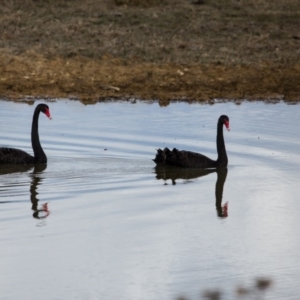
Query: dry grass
{"type": "Point", "coordinates": [222, 31]}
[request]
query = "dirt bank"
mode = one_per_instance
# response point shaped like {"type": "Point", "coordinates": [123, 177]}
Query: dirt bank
{"type": "Point", "coordinates": [90, 80]}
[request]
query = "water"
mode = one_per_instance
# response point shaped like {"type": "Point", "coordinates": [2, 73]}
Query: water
{"type": "Point", "coordinates": [101, 222]}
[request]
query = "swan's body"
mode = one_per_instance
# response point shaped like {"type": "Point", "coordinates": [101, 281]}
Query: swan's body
{"type": "Point", "coordinates": [17, 156]}
{"type": "Point", "coordinates": [188, 159]}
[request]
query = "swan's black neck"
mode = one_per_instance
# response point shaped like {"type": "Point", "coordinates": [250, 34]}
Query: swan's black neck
{"type": "Point", "coordinates": [39, 154]}
{"type": "Point", "coordinates": [222, 160]}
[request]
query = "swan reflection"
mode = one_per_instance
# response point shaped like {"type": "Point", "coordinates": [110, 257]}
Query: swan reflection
{"type": "Point", "coordinates": [165, 173]}
{"type": "Point", "coordinates": [36, 180]}
{"type": "Point", "coordinates": [10, 169]}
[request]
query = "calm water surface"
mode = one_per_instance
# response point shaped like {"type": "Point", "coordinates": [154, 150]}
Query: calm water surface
{"type": "Point", "coordinates": [101, 222]}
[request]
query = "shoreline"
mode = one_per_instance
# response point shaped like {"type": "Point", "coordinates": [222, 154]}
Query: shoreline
{"type": "Point", "coordinates": [147, 49]}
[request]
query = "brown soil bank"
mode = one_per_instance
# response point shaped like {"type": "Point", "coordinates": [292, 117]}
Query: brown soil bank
{"type": "Point", "coordinates": [150, 49]}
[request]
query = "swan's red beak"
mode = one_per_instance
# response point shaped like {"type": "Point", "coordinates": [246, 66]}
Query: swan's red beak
{"type": "Point", "coordinates": [47, 113]}
{"type": "Point", "coordinates": [227, 125]}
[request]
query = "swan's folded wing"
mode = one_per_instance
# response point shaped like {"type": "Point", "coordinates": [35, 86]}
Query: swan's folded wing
{"type": "Point", "coordinates": [189, 159]}
{"type": "Point", "coordinates": [15, 156]}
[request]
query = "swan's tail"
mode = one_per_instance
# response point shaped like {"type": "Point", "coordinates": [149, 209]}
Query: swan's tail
{"type": "Point", "coordinates": [161, 156]}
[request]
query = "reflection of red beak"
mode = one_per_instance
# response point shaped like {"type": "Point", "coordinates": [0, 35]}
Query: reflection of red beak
{"type": "Point", "coordinates": [227, 125]}
{"type": "Point", "coordinates": [225, 210]}
{"type": "Point", "coordinates": [47, 113]}
{"type": "Point", "coordinates": [45, 207]}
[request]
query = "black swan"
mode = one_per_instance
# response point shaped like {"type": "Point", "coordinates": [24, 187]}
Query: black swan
{"type": "Point", "coordinates": [17, 156]}
{"type": "Point", "coordinates": [188, 159]}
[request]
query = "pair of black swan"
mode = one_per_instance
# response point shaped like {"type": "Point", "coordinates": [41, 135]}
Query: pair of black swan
{"type": "Point", "coordinates": [17, 156]}
{"type": "Point", "coordinates": [186, 159]}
